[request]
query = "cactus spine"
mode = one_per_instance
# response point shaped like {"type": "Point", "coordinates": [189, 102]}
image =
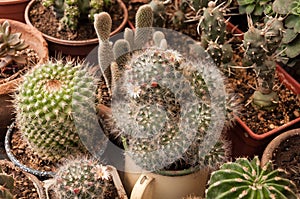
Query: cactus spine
{"type": "Point", "coordinates": [46, 103]}
{"type": "Point", "coordinates": [247, 179]}
{"type": "Point", "coordinates": [83, 178]}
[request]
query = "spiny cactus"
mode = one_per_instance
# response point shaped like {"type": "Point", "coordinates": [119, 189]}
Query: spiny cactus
{"type": "Point", "coordinates": [260, 48]}
{"type": "Point", "coordinates": [159, 13]}
{"type": "Point", "coordinates": [212, 26]}
{"type": "Point", "coordinates": [247, 179]}
{"type": "Point", "coordinates": [46, 105]}
{"type": "Point", "coordinates": [6, 185]}
{"type": "Point", "coordinates": [83, 178]}
{"type": "Point", "coordinates": [72, 11]}
{"type": "Point", "coordinates": [10, 45]}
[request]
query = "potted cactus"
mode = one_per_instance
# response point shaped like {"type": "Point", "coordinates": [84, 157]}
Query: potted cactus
{"type": "Point", "coordinates": [69, 20]}
{"type": "Point", "coordinates": [261, 45]}
{"type": "Point", "coordinates": [147, 106]}
{"type": "Point", "coordinates": [21, 47]}
{"type": "Point", "coordinates": [85, 178]}
{"type": "Point", "coordinates": [15, 183]}
{"type": "Point", "coordinates": [55, 110]}
{"type": "Point", "coordinates": [248, 179]}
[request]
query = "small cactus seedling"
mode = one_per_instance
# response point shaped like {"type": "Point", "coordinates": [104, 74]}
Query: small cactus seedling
{"type": "Point", "coordinates": [247, 179]}
{"type": "Point", "coordinates": [71, 12]}
{"type": "Point", "coordinates": [6, 185]}
{"type": "Point", "coordinates": [10, 45]}
{"type": "Point", "coordinates": [83, 178]}
{"type": "Point", "coordinates": [46, 105]}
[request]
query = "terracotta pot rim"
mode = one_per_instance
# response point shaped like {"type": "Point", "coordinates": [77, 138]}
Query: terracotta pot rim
{"type": "Point", "coordinates": [8, 87]}
{"type": "Point", "coordinates": [79, 42]}
{"type": "Point", "coordinates": [268, 152]}
{"type": "Point", "coordinates": [8, 2]}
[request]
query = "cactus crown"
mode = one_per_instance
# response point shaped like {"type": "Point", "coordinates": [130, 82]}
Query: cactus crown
{"type": "Point", "coordinates": [83, 178]}
{"type": "Point", "coordinates": [10, 45]}
{"type": "Point", "coordinates": [6, 185]}
{"type": "Point", "coordinates": [46, 105]}
{"type": "Point", "coordinates": [247, 179]}
{"type": "Point", "coordinates": [72, 11]}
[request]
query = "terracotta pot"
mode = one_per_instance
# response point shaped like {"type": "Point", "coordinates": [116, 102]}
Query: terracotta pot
{"type": "Point", "coordinates": [167, 184]}
{"type": "Point", "coordinates": [38, 184]}
{"type": "Point", "coordinates": [269, 153]}
{"type": "Point", "coordinates": [35, 41]}
{"type": "Point", "coordinates": [245, 142]}
{"type": "Point", "coordinates": [79, 48]}
{"type": "Point", "coordinates": [13, 9]}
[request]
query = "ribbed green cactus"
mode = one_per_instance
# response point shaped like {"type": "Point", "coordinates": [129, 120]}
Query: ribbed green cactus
{"type": "Point", "coordinates": [10, 45]}
{"type": "Point", "coordinates": [247, 179]}
{"type": "Point", "coordinates": [83, 178]}
{"type": "Point", "coordinates": [72, 11]}
{"type": "Point", "coordinates": [213, 31]}
{"type": "Point", "coordinates": [46, 104]}
{"type": "Point", "coordinates": [6, 185]}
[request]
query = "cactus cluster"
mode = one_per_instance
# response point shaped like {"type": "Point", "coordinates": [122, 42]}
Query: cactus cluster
{"type": "Point", "coordinates": [247, 179]}
{"type": "Point", "coordinates": [48, 105]}
{"type": "Point", "coordinates": [83, 178]}
{"type": "Point", "coordinates": [212, 26]}
{"type": "Point", "coordinates": [71, 12]}
{"type": "Point", "coordinates": [165, 124]}
{"type": "Point", "coordinates": [10, 45]}
{"type": "Point", "coordinates": [6, 185]}
{"type": "Point", "coordinates": [260, 46]}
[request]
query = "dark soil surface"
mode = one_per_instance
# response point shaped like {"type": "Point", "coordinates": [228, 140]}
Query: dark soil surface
{"type": "Point", "coordinates": [287, 157]}
{"type": "Point", "coordinates": [44, 20]}
{"type": "Point", "coordinates": [24, 188]}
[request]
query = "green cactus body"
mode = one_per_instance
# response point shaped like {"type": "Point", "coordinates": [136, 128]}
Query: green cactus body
{"type": "Point", "coordinates": [10, 45]}
{"type": "Point", "coordinates": [45, 105]}
{"type": "Point", "coordinates": [274, 34]}
{"type": "Point", "coordinates": [71, 12]}
{"type": "Point", "coordinates": [247, 179]}
{"type": "Point", "coordinates": [6, 185]}
{"type": "Point", "coordinates": [83, 178]}
{"type": "Point", "coordinates": [213, 32]}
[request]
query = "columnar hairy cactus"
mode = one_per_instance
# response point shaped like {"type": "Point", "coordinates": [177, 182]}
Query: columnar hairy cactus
{"type": "Point", "coordinates": [10, 45]}
{"type": "Point", "coordinates": [260, 48]}
{"type": "Point", "coordinates": [83, 178]}
{"type": "Point", "coordinates": [213, 31]}
{"type": "Point", "coordinates": [247, 179]}
{"type": "Point", "coordinates": [71, 11]}
{"type": "Point", "coordinates": [6, 185]}
{"type": "Point", "coordinates": [46, 105]}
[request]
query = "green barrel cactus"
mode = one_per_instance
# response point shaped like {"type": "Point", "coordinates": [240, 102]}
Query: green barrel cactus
{"type": "Point", "coordinates": [6, 185]}
{"type": "Point", "coordinates": [46, 105]}
{"type": "Point", "coordinates": [10, 45]}
{"type": "Point", "coordinates": [83, 178]}
{"type": "Point", "coordinates": [247, 179]}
